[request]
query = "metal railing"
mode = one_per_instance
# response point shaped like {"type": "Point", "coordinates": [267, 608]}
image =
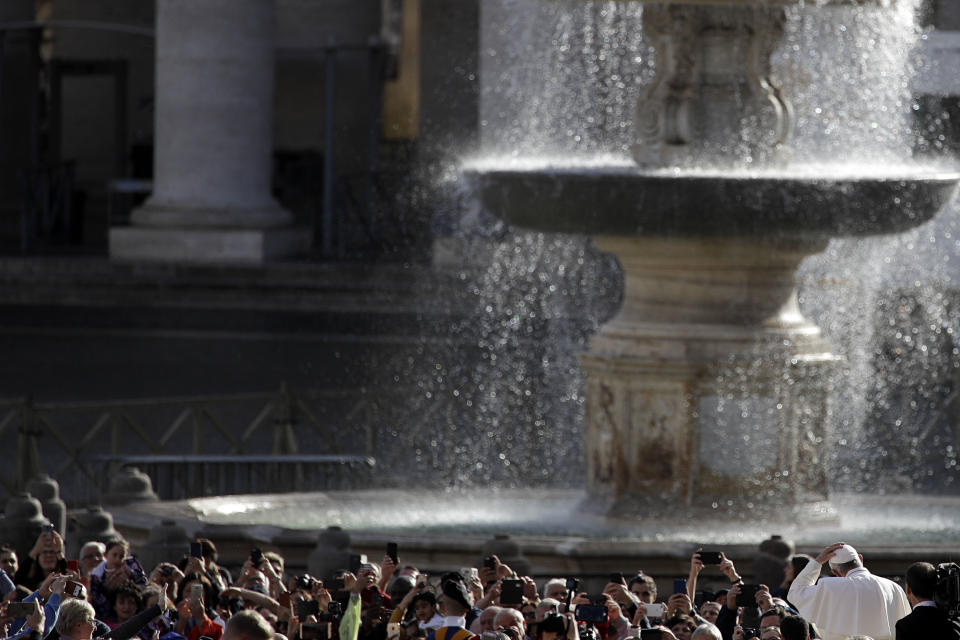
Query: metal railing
{"type": "Point", "coordinates": [194, 446]}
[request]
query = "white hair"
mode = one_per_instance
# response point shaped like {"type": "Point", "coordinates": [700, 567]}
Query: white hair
{"type": "Point", "coordinates": [93, 544]}
{"type": "Point", "coordinates": [553, 581]}
{"type": "Point", "coordinates": [510, 613]}
{"type": "Point", "coordinates": [706, 632]}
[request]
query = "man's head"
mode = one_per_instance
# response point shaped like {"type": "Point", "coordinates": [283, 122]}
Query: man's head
{"type": "Point", "coordinates": [644, 587]}
{"type": "Point", "coordinates": [488, 618]}
{"type": "Point", "coordinates": [511, 619]}
{"type": "Point", "coordinates": [772, 617]}
{"type": "Point", "coordinates": [556, 589]}
{"type": "Point", "coordinates": [921, 582]}
{"type": "Point", "coordinates": [75, 619]}
{"type": "Point", "coordinates": [276, 561]}
{"type": "Point", "coordinates": [845, 559]}
{"type": "Point", "coordinates": [208, 550]}
{"type": "Point", "coordinates": [546, 605]}
{"type": "Point", "coordinates": [709, 611]}
{"type": "Point", "coordinates": [247, 625]}
{"type": "Point", "coordinates": [706, 632]}
{"type": "Point", "coordinates": [770, 633]}
{"type": "Point", "coordinates": [454, 600]}
{"type": "Point", "coordinates": [91, 554]}
{"type": "Point", "coordinates": [794, 628]}
{"type": "Point", "coordinates": [8, 560]}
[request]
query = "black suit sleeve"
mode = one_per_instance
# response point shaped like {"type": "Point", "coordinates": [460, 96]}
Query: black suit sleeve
{"type": "Point", "coordinates": [132, 626]}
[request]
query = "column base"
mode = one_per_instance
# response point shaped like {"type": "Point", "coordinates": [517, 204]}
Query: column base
{"type": "Point", "coordinates": [239, 246]}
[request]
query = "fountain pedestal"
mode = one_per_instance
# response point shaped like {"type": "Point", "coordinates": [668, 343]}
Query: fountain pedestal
{"type": "Point", "coordinates": [707, 390]}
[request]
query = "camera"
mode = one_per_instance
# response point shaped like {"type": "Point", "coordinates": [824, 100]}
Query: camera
{"type": "Point", "coordinates": [947, 592]}
{"type": "Point", "coordinates": [553, 622]}
{"type": "Point", "coordinates": [333, 612]}
{"type": "Point", "coordinates": [305, 582]}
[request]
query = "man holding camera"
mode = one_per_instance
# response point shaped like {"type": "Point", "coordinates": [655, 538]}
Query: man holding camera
{"type": "Point", "coordinates": [927, 620]}
{"type": "Point", "coordinates": [854, 602]}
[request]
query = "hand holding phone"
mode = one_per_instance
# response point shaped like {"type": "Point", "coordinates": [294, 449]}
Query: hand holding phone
{"type": "Point", "coordinates": [711, 557]}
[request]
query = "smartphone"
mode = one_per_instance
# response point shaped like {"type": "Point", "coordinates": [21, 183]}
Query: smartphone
{"type": "Point", "coordinates": [711, 557]}
{"type": "Point", "coordinates": [75, 589]}
{"type": "Point", "coordinates": [511, 592]}
{"type": "Point", "coordinates": [357, 561]}
{"type": "Point", "coordinates": [590, 613]}
{"type": "Point", "coordinates": [22, 609]}
{"type": "Point", "coordinates": [196, 591]}
{"type": "Point", "coordinates": [315, 631]}
{"type": "Point", "coordinates": [393, 630]}
{"type": "Point", "coordinates": [196, 550]}
{"type": "Point", "coordinates": [392, 552]}
{"type": "Point", "coordinates": [256, 556]}
{"type": "Point", "coordinates": [651, 634]}
{"type": "Point", "coordinates": [680, 585]}
{"type": "Point", "coordinates": [489, 562]}
{"type": "Point", "coordinates": [468, 573]}
{"type": "Point", "coordinates": [654, 609]}
{"type": "Point", "coordinates": [617, 578]}
{"type": "Point", "coordinates": [748, 595]}
{"type": "Point", "coordinates": [749, 632]}
{"type": "Point", "coordinates": [73, 565]}
{"type": "Point", "coordinates": [47, 528]}
{"type": "Point", "coordinates": [307, 608]}
{"type": "Point", "coordinates": [62, 565]}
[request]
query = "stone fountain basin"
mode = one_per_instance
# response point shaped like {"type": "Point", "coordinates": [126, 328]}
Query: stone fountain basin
{"type": "Point", "coordinates": [625, 200]}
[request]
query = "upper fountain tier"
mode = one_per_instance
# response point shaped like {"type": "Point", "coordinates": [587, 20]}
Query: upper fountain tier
{"type": "Point", "coordinates": [626, 200]}
{"type": "Point", "coordinates": [711, 151]}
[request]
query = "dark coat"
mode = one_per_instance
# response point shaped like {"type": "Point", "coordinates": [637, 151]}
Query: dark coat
{"type": "Point", "coordinates": [927, 623]}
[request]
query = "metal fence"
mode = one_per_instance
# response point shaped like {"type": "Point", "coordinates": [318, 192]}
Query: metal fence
{"type": "Point", "coordinates": [193, 446]}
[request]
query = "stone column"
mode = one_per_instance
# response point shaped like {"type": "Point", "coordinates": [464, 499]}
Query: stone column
{"type": "Point", "coordinates": [211, 200]}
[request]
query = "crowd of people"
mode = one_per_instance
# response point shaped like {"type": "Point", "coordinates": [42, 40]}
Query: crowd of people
{"type": "Point", "coordinates": [105, 593]}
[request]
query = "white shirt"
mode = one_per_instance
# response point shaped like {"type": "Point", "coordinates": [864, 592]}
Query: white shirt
{"type": "Point", "coordinates": [859, 603]}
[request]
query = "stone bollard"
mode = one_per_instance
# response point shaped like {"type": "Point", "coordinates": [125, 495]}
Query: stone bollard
{"type": "Point", "coordinates": [509, 553]}
{"type": "Point", "coordinates": [23, 522]}
{"type": "Point", "coordinates": [128, 485]}
{"type": "Point", "coordinates": [331, 553]}
{"type": "Point", "coordinates": [167, 542]}
{"type": "Point", "coordinates": [769, 564]}
{"type": "Point", "coordinates": [47, 491]}
{"type": "Point", "coordinates": [86, 526]}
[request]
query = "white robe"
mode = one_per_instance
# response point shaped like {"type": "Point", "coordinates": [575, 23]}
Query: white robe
{"type": "Point", "coordinates": [859, 603]}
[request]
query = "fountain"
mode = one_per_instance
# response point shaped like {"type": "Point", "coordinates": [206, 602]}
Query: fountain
{"type": "Point", "coordinates": [709, 355]}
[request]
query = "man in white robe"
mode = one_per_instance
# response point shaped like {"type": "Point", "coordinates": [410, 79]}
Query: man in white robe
{"type": "Point", "coordinates": [855, 602]}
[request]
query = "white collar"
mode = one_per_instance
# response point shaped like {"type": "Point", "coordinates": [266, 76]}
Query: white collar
{"type": "Point", "coordinates": [925, 603]}
{"type": "Point", "coordinates": [455, 621]}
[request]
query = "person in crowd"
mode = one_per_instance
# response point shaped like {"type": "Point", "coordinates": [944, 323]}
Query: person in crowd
{"type": "Point", "coordinates": [91, 555]}
{"type": "Point", "coordinates": [426, 612]}
{"type": "Point", "coordinates": [795, 565]}
{"type": "Point", "coordinates": [681, 625]}
{"type": "Point", "coordinates": [926, 620]}
{"type": "Point", "coordinates": [454, 603]}
{"type": "Point", "coordinates": [116, 570]}
{"type": "Point", "coordinates": [75, 620]}
{"type": "Point", "coordinates": [706, 632]}
{"type": "Point", "coordinates": [854, 602]}
{"type": "Point", "coordinates": [193, 618]}
{"type": "Point", "coordinates": [217, 575]}
{"type": "Point", "coordinates": [127, 602]}
{"type": "Point", "coordinates": [45, 558]}
{"type": "Point", "coordinates": [709, 611]}
{"type": "Point", "coordinates": [555, 589]}
{"type": "Point", "coordinates": [247, 625]}
{"type": "Point", "coordinates": [8, 561]}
